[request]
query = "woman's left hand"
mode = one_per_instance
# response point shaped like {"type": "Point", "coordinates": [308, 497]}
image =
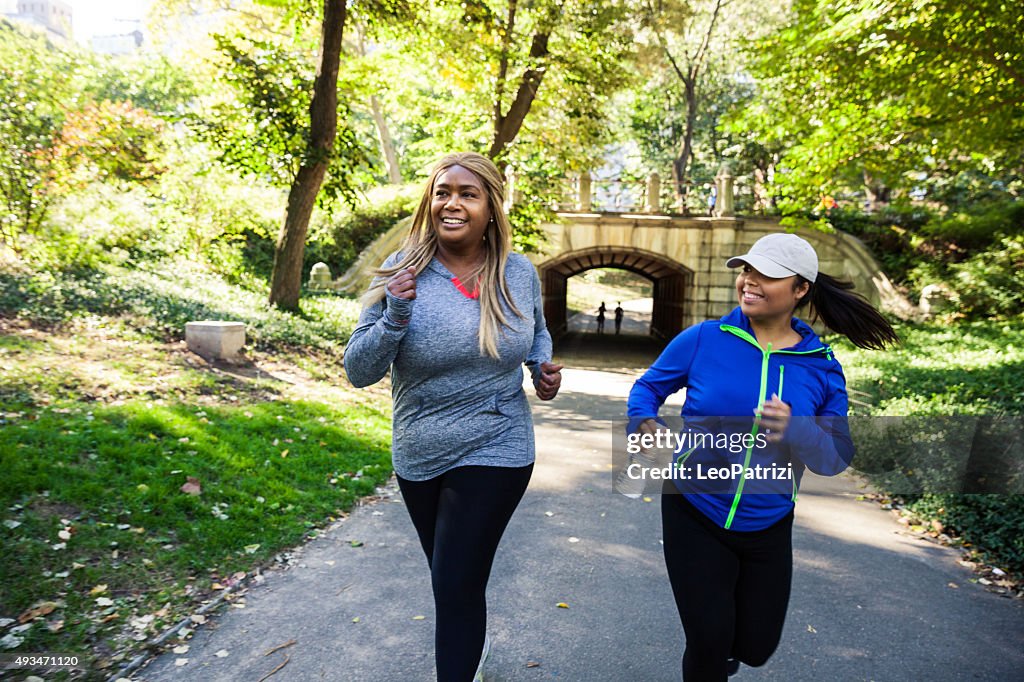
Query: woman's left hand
{"type": "Point", "coordinates": [550, 380]}
{"type": "Point", "coordinates": [774, 417]}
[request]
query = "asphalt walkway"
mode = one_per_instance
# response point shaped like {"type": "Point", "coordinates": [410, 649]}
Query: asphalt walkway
{"type": "Point", "coordinates": [870, 601]}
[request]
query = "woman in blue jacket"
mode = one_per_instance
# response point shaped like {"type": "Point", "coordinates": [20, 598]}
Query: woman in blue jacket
{"type": "Point", "coordinates": [765, 398]}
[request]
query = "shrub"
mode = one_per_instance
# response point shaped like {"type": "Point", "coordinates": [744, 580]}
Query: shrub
{"type": "Point", "coordinates": [991, 283]}
{"type": "Point", "coordinates": [978, 228]}
{"type": "Point", "coordinates": [991, 522]}
{"type": "Point", "coordinates": [339, 239]}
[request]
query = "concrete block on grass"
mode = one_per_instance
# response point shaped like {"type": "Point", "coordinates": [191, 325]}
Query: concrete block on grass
{"type": "Point", "coordinates": [215, 339]}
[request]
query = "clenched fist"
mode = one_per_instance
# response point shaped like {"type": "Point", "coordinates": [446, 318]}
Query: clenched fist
{"type": "Point", "coordinates": [403, 285]}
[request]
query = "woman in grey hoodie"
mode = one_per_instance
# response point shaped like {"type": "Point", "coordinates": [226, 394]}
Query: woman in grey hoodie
{"type": "Point", "coordinates": [454, 314]}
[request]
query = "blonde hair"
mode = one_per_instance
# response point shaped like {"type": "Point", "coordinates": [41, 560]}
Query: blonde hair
{"type": "Point", "coordinates": [421, 244]}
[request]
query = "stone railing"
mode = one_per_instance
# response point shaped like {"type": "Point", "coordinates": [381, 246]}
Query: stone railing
{"type": "Point", "coordinates": [587, 194]}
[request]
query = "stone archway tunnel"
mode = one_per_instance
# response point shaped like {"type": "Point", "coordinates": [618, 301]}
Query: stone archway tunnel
{"type": "Point", "coordinates": [671, 282]}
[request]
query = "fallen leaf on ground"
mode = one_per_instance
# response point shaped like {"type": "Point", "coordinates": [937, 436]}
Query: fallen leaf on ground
{"type": "Point", "coordinates": [532, 664]}
{"type": "Point", "coordinates": [180, 662]}
{"type": "Point", "coordinates": [418, 617]}
{"type": "Point", "coordinates": [954, 586]}
{"type": "Point", "coordinates": [181, 649]}
{"type": "Point", "coordinates": [197, 618]}
{"type": "Point", "coordinates": [47, 607]}
{"type": "Point", "coordinates": [222, 653]}
{"type": "Point", "coordinates": [562, 605]}
{"type": "Point", "coordinates": [356, 619]}
{"type": "Point", "coordinates": [810, 628]}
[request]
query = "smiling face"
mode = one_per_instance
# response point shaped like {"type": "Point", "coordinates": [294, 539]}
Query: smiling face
{"type": "Point", "coordinates": [763, 297]}
{"type": "Point", "coordinates": [459, 209]}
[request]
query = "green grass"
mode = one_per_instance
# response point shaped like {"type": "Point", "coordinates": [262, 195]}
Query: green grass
{"type": "Point", "coordinates": [105, 415]}
{"type": "Point", "coordinates": [971, 368]}
{"type": "Point", "coordinates": [968, 368]}
{"type": "Point", "coordinates": [157, 301]}
{"type": "Point", "coordinates": [111, 477]}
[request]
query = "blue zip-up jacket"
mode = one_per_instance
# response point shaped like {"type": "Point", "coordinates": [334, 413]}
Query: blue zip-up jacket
{"type": "Point", "coordinates": [727, 374]}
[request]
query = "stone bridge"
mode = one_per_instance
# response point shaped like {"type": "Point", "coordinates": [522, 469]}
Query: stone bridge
{"type": "Point", "coordinates": [684, 257]}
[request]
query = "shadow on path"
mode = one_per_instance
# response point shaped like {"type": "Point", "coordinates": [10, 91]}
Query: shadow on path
{"type": "Point", "coordinates": [869, 602]}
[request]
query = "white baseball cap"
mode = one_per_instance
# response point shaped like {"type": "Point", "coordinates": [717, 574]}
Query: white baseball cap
{"type": "Point", "coordinates": [780, 255]}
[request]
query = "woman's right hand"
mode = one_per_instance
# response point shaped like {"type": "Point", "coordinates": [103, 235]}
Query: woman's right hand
{"type": "Point", "coordinates": [403, 285]}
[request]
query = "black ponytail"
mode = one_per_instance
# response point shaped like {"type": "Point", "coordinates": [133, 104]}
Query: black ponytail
{"type": "Point", "coordinates": [848, 313]}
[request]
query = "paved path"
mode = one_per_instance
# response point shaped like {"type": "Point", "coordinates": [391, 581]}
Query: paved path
{"type": "Point", "coordinates": [869, 602]}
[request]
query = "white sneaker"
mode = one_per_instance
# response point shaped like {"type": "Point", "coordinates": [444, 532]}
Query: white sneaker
{"type": "Point", "coordinates": [479, 677]}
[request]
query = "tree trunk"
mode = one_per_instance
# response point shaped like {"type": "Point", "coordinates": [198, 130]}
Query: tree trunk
{"type": "Point", "coordinates": [506, 126]}
{"type": "Point", "coordinates": [681, 161]}
{"type": "Point", "coordinates": [877, 194]}
{"type": "Point", "coordinates": [690, 78]}
{"type": "Point", "coordinates": [387, 144]}
{"type": "Point", "coordinates": [286, 280]}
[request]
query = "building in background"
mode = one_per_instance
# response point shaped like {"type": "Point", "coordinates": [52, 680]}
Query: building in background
{"type": "Point", "coordinates": [53, 16]}
{"type": "Point", "coordinates": [129, 42]}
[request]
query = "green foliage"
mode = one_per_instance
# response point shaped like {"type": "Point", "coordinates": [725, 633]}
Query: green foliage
{"type": "Point", "coordinates": [991, 282]}
{"type": "Point", "coordinates": [148, 81]}
{"type": "Point", "coordinates": [269, 473]}
{"type": "Point", "coordinates": [343, 235]}
{"type": "Point", "coordinates": [162, 298]}
{"type": "Point", "coordinates": [978, 254]}
{"type": "Point", "coordinates": [208, 213]}
{"type": "Point", "coordinates": [969, 368]}
{"type": "Point", "coordinates": [110, 141]}
{"type": "Point", "coordinates": [35, 79]}
{"type": "Point", "coordinates": [907, 96]}
{"type": "Point", "coordinates": [100, 223]}
{"type": "Point", "coordinates": [972, 368]}
{"type": "Point", "coordinates": [455, 98]}
{"type": "Point", "coordinates": [979, 225]}
{"type": "Point", "coordinates": [537, 184]}
{"type": "Point", "coordinates": [991, 523]}
{"type": "Point", "coordinates": [264, 128]}
{"type": "Point", "coordinates": [975, 251]}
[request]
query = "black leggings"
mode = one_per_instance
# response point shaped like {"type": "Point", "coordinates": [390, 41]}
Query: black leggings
{"type": "Point", "coordinates": [731, 588]}
{"type": "Point", "coordinates": [460, 517]}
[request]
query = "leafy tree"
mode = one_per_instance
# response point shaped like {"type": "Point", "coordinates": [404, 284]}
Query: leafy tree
{"type": "Point", "coordinates": [683, 36]}
{"type": "Point", "coordinates": [284, 121]}
{"type": "Point", "coordinates": [530, 84]}
{"type": "Point", "coordinates": [36, 78]}
{"type": "Point", "coordinates": [108, 140]}
{"type": "Point", "coordinates": [892, 95]}
{"type": "Point", "coordinates": [693, 74]}
{"type": "Point", "coordinates": [149, 81]}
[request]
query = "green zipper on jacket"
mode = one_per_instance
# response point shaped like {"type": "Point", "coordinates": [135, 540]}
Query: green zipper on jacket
{"type": "Point", "coordinates": [766, 354]}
